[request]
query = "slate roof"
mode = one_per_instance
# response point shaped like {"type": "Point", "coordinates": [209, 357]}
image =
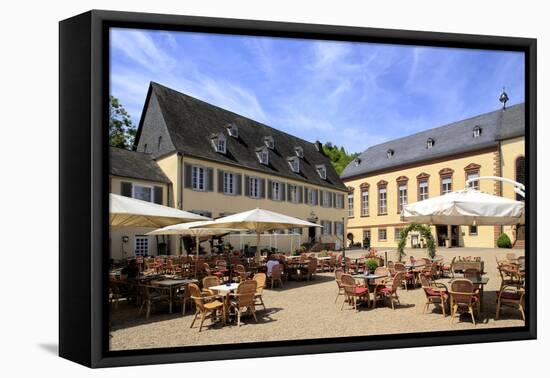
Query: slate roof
{"type": "Point", "coordinates": [191, 123]}
{"type": "Point", "coordinates": [136, 165]}
{"type": "Point", "coordinates": [451, 139]}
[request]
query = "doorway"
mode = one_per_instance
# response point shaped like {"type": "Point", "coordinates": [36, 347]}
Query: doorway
{"type": "Point", "coordinates": [311, 234]}
{"type": "Point", "coordinates": [442, 232]}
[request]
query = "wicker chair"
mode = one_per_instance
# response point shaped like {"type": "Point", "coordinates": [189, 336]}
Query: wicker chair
{"type": "Point", "coordinates": [310, 270]}
{"type": "Point", "coordinates": [391, 268]}
{"type": "Point", "coordinates": [510, 256]}
{"type": "Point", "coordinates": [447, 269]}
{"type": "Point", "coordinates": [240, 273]}
{"type": "Point", "coordinates": [276, 275]}
{"type": "Point", "coordinates": [353, 291]}
{"type": "Point", "coordinates": [151, 295]}
{"type": "Point", "coordinates": [464, 295]}
{"type": "Point", "coordinates": [406, 276]}
{"type": "Point", "coordinates": [244, 298]}
{"type": "Point", "coordinates": [260, 279]}
{"type": "Point", "coordinates": [473, 275]}
{"type": "Point", "coordinates": [206, 306]}
{"type": "Point", "coordinates": [436, 294]}
{"type": "Point", "coordinates": [389, 292]}
{"type": "Point", "coordinates": [511, 295]}
{"type": "Point", "coordinates": [211, 272]}
{"type": "Point", "coordinates": [338, 277]}
{"type": "Point", "coordinates": [382, 271]}
{"type": "Point", "coordinates": [208, 282]}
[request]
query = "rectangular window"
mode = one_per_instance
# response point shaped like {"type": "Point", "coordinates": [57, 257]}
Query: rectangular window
{"type": "Point", "coordinates": [198, 175]}
{"type": "Point", "coordinates": [310, 196]}
{"type": "Point", "coordinates": [325, 199]}
{"type": "Point", "coordinates": [221, 145]}
{"type": "Point", "coordinates": [446, 185]}
{"type": "Point", "coordinates": [141, 245]}
{"type": "Point", "coordinates": [254, 187]}
{"type": "Point", "coordinates": [276, 190]}
{"type": "Point", "coordinates": [382, 201]}
{"type": "Point", "coordinates": [144, 193]}
{"type": "Point", "coordinates": [382, 234]}
{"type": "Point", "coordinates": [364, 203]}
{"type": "Point", "coordinates": [366, 234]}
{"type": "Point", "coordinates": [339, 201]}
{"type": "Point", "coordinates": [473, 184]}
{"type": "Point", "coordinates": [403, 196]}
{"type": "Point", "coordinates": [350, 205]}
{"type": "Point", "coordinates": [473, 230]}
{"type": "Point", "coordinates": [338, 228]}
{"type": "Point", "coordinates": [229, 183]}
{"type": "Point", "coordinates": [326, 227]}
{"type": "Point", "coordinates": [397, 233]}
{"type": "Point", "coordinates": [423, 190]}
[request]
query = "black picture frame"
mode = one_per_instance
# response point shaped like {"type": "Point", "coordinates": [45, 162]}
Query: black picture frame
{"type": "Point", "coordinates": [83, 196]}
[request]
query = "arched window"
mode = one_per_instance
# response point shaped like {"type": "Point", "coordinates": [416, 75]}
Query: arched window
{"type": "Point", "coordinates": [520, 174]}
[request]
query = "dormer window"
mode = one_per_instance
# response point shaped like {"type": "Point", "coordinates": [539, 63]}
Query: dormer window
{"type": "Point", "coordinates": [263, 155]}
{"type": "Point", "coordinates": [269, 142]}
{"type": "Point", "coordinates": [390, 154]}
{"type": "Point", "coordinates": [299, 152]}
{"type": "Point", "coordinates": [294, 163]}
{"type": "Point", "coordinates": [356, 161]}
{"type": "Point", "coordinates": [477, 132]}
{"type": "Point", "coordinates": [220, 143]}
{"type": "Point", "coordinates": [233, 130]}
{"type": "Point", "coordinates": [321, 171]}
{"type": "Point", "coordinates": [430, 143]}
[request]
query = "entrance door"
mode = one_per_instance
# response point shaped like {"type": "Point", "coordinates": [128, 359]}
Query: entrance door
{"type": "Point", "coordinates": [311, 234]}
{"type": "Point", "coordinates": [442, 232]}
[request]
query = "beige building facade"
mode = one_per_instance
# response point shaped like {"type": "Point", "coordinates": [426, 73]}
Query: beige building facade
{"type": "Point", "coordinates": [431, 163]}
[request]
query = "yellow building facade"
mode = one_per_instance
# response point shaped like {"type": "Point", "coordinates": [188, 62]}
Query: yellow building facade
{"type": "Point", "coordinates": [488, 145]}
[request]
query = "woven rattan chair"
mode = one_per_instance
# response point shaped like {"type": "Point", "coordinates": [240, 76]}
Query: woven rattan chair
{"type": "Point", "coordinates": [389, 292]}
{"type": "Point", "coordinates": [309, 271]}
{"type": "Point", "coordinates": [338, 277]}
{"type": "Point", "coordinates": [513, 296]}
{"type": "Point", "coordinates": [208, 282]}
{"type": "Point", "coordinates": [464, 295]}
{"type": "Point", "coordinates": [353, 291]}
{"type": "Point", "coordinates": [244, 298]}
{"type": "Point", "coordinates": [260, 279]}
{"type": "Point", "coordinates": [240, 273]}
{"type": "Point", "coordinates": [211, 272]}
{"type": "Point", "coordinates": [405, 275]}
{"type": "Point", "coordinates": [436, 294]}
{"type": "Point", "coordinates": [511, 256]}
{"type": "Point", "coordinates": [382, 271]}
{"type": "Point", "coordinates": [276, 275]}
{"type": "Point", "coordinates": [206, 306]}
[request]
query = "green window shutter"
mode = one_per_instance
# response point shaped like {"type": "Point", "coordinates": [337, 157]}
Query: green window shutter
{"type": "Point", "coordinates": [158, 194]}
{"type": "Point", "coordinates": [209, 179]}
{"type": "Point", "coordinates": [126, 189]}
{"type": "Point", "coordinates": [301, 194]}
{"type": "Point", "coordinates": [283, 191]}
{"type": "Point", "coordinates": [315, 197]}
{"type": "Point", "coordinates": [220, 181]}
{"type": "Point", "coordinates": [262, 188]}
{"type": "Point", "coordinates": [269, 189]}
{"type": "Point", "coordinates": [238, 184]}
{"type": "Point", "coordinates": [187, 175]}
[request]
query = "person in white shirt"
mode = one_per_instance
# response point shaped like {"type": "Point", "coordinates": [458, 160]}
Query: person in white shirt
{"type": "Point", "coordinates": [271, 262]}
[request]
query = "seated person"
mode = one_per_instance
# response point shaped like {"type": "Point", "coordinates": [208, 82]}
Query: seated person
{"type": "Point", "coordinates": [271, 262]}
{"type": "Point", "coordinates": [131, 271]}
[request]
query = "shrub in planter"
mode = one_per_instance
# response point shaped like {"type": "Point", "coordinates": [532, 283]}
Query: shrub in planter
{"type": "Point", "coordinates": [504, 241]}
{"type": "Point", "coordinates": [372, 264]}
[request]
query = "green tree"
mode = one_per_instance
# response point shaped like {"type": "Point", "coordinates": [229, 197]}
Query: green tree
{"type": "Point", "coordinates": [338, 156]}
{"type": "Point", "coordinates": [121, 130]}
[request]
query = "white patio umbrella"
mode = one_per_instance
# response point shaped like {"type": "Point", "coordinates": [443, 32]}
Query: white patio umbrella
{"type": "Point", "coordinates": [197, 232]}
{"type": "Point", "coordinates": [259, 221]}
{"type": "Point", "coordinates": [466, 207]}
{"type": "Point", "coordinates": [131, 212]}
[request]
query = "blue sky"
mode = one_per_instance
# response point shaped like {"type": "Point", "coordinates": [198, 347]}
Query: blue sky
{"type": "Point", "coordinates": [352, 94]}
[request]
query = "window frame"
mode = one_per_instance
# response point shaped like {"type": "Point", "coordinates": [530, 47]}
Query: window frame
{"type": "Point", "coordinates": [351, 205]}
{"type": "Point", "coordinates": [204, 184]}
{"type": "Point", "coordinates": [225, 176]}
{"type": "Point", "coordinates": [365, 203]}
{"type": "Point", "coordinates": [423, 184]}
{"type": "Point", "coordinates": [151, 191]}
{"type": "Point", "coordinates": [385, 230]}
{"type": "Point", "coordinates": [256, 185]}
{"type": "Point", "coordinates": [400, 203]}
{"type": "Point", "coordinates": [383, 190]}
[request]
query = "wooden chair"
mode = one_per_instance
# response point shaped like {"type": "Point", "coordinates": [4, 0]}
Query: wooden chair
{"type": "Point", "coordinates": [389, 292]}
{"type": "Point", "coordinates": [260, 279]}
{"type": "Point", "coordinates": [276, 275]}
{"type": "Point", "coordinates": [244, 298]}
{"type": "Point", "coordinates": [436, 294]}
{"type": "Point", "coordinates": [338, 277]}
{"type": "Point", "coordinates": [151, 295]}
{"type": "Point", "coordinates": [353, 291]}
{"type": "Point", "coordinates": [464, 295]}
{"type": "Point", "coordinates": [511, 295]}
{"type": "Point", "coordinates": [206, 306]}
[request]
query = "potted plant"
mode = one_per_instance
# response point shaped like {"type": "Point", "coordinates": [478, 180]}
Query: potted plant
{"type": "Point", "coordinates": [372, 264]}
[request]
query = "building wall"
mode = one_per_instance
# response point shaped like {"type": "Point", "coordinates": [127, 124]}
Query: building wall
{"type": "Point", "coordinates": [118, 248]}
{"type": "Point", "coordinates": [356, 224]}
{"type": "Point", "coordinates": [218, 203]}
{"type": "Point", "coordinates": [510, 150]}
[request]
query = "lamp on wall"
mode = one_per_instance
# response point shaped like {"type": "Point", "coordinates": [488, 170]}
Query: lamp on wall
{"type": "Point", "coordinates": [125, 239]}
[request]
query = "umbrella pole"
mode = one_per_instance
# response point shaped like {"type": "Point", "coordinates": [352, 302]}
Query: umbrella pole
{"type": "Point", "coordinates": [258, 252]}
{"type": "Point", "coordinates": [197, 248]}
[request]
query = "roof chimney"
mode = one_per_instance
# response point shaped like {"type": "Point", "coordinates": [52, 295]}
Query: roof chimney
{"type": "Point", "coordinates": [503, 98]}
{"type": "Point", "coordinates": [319, 146]}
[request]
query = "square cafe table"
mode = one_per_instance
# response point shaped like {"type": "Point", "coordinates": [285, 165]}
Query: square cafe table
{"type": "Point", "coordinates": [171, 285]}
{"type": "Point", "coordinates": [224, 290]}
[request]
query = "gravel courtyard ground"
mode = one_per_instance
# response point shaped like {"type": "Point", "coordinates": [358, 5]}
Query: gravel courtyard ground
{"type": "Point", "coordinates": [306, 310]}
